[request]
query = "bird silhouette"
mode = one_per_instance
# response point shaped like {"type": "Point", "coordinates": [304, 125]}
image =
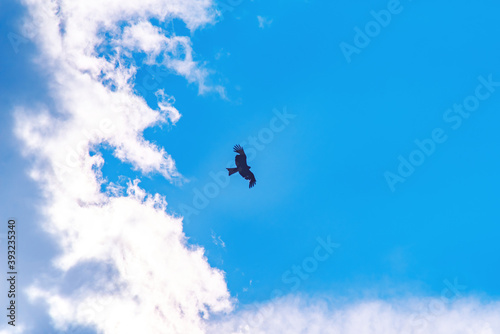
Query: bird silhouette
{"type": "Point", "coordinates": [242, 167]}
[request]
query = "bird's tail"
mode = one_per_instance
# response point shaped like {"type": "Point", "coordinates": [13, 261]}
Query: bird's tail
{"type": "Point", "coordinates": [232, 170]}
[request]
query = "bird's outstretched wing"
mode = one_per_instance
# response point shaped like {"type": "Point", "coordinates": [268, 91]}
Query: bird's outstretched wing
{"type": "Point", "coordinates": [249, 176]}
{"type": "Point", "coordinates": [238, 149]}
{"type": "Point", "coordinates": [241, 158]}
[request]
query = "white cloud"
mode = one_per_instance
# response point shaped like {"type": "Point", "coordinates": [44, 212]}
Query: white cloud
{"type": "Point", "coordinates": [298, 315]}
{"type": "Point", "coordinates": [264, 22]}
{"type": "Point", "coordinates": [165, 103]}
{"type": "Point", "coordinates": [156, 281]}
{"type": "Point", "coordinates": [176, 53]}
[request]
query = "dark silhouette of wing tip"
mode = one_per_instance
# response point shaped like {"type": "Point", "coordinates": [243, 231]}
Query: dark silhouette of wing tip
{"type": "Point", "coordinates": [237, 148]}
{"type": "Point", "coordinates": [252, 179]}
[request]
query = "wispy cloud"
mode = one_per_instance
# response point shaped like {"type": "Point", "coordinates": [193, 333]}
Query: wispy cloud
{"type": "Point", "coordinates": [298, 314]}
{"type": "Point", "coordinates": [217, 240]}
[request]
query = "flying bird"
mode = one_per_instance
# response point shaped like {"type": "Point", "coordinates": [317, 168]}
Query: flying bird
{"type": "Point", "coordinates": [241, 166]}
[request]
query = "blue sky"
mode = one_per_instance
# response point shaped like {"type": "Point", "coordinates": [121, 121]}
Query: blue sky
{"type": "Point", "coordinates": [324, 174]}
